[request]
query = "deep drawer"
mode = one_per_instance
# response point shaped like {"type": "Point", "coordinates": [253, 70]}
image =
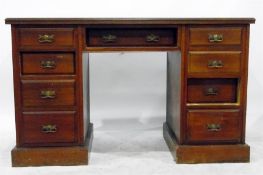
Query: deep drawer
{"type": "Point", "coordinates": [214, 62]}
{"type": "Point", "coordinates": [48, 93]}
{"type": "Point", "coordinates": [47, 128]}
{"type": "Point", "coordinates": [215, 36]}
{"type": "Point", "coordinates": [212, 90]}
{"type": "Point", "coordinates": [49, 38]}
{"type": "Point", "coordinates": [48, 63]}
{"type": "Point", "coordinates": [131, 37]}
{"type": "Point", "coordinates": [204, 126]}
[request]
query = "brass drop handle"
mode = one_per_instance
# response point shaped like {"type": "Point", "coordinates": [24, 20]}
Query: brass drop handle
{"type": "Point", "coordinates": [215, 38]}
{"type": "Point", "coordinates": [109, 38]}
{"type": "Point", "coordinates": [48, 64]}
{"type": "Point", "coordinates": [211, 91]}
{"type": "Point", "coordinates": [49, 128]}
{"type": "Point", "coordinates": [152, 38]}
{"type": "Point", "coordinates": [214, 127]}
{"type": "Point", "coordinates": [47, 94]}
{"type": "Point", "coordinates": [46, 38]}
{"type": "Point", "coordinates": [215, 64]}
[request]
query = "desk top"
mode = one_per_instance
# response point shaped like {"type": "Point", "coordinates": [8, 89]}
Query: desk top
{"type": "Point", "coordinates": [127, 21]}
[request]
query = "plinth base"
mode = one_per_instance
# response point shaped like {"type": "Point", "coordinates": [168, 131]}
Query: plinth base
{"type": "Point", "coordinates": [53, 156]}
{"type": "Point", "coordinates": [205, 153]}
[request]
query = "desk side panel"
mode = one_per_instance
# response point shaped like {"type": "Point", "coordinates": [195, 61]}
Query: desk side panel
{"type": "Point", "coordinates": [86, 100]}
{"type": "Point", "coordinates": [173, 111]}
{"type": "Point", "coordinates": [83, 77]}
{"type": "Point", "coordinates": [17, 85]}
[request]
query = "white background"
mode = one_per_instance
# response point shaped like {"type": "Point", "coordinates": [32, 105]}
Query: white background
{"type": "Point", "coordinates": [128, 89]}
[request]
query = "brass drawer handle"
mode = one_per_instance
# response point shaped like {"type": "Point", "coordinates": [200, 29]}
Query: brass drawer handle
{"type": "Point", "coordinates": [213, 127]}
{"type": "Point", "coordinates": [48, 64]}
{"type": "Point", "coordinates": [215, 38]}
{"type": "Point", "coordinates": [109, 38]}
{"type": "Point", "coordinates": [152, 38]}
{"type": "Point", "coordinates": [215, 64]}
{"type": "Point", "coordinates": [49, 128]}
{"type": "Point", "coordinates": [48, 94]}
{"type": "Point", "coordinates": [45, 38]}
{"type": "Point", "coordinates": [211, 91]}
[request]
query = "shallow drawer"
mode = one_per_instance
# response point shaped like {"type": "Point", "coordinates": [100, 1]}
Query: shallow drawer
{"type": "Point", "coordinates": [48, 63]}
{"type": "Point", "coordinates": [215, 36]}
{"type": "Point", "coordinates": [212, 90]}
{"type": "Point", "coordinates": [131, 37]}
{"type": "Point", "coordinates": [213, 126]}
{"type": "Point", "coordinates": [53, 93]}
{"type": "Point", "coordinates": [214, 62]}
{"type": "Point", "coordinates": [46, 128]}
{"type": "Point", "coordinates": [46, 37]}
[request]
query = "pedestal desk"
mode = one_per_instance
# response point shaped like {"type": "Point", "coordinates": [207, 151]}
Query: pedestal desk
{"type": "Point", "coordinates": [207, 70]}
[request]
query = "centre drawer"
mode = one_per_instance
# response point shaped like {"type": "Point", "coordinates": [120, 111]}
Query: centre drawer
{"type": "Point", "coordinates": [131, 37]}
{"type": "Point", "coordinates": [220, 90]}
{"type": "Point", "coordinates": [48, 63]}
{"type": "Point", "coordinates": [46, 128]}
{"type": "Point", "coordinates": [48, 93]}
{"type": "Point", "coordinates": [213, 126]}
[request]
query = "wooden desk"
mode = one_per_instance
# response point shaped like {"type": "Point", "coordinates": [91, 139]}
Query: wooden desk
{"type": "Point", "coordinates": [207, 67]}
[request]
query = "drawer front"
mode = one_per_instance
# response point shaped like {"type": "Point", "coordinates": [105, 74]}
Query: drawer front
{"type": "Point", "coordinates": [46, 128]}
{"type": "Point", "coordinates": [48, 63]}
{"type": "Point", "coordinates": [131, 37]}
{"type": "Point", "coordinates": [215, 36]}
{"type": "Point", "coordinates": [213, 126]}
{"type": "Point", "coordinates": [214, 62]}
{"type": "Point", "coordinates": [53, 93]}
{"type": "Point", "coordinates": [46, 37]}
{"type": "Point", "coordinates": [212, 90]}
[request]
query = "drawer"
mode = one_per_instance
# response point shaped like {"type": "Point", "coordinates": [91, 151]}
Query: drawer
{"type": "Point", "coordinates": [48, 93]}
{"type": "Point", "coordinates": [215, 36]}
{"type": "Point", "coordinates": [131, 37]}
{"type": "Point", "coordinates": [213, 126]}
{"type": "Point", "coordinates": [214, 62]}
{"type": "Point", "coordinates": [46, 37]}
{"type": "Point", "coordinates": [47, 128]}
{"type": "Point", "coordinates": [48, 63]}
{"type": "Point", "coordinates": [212, 90]}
